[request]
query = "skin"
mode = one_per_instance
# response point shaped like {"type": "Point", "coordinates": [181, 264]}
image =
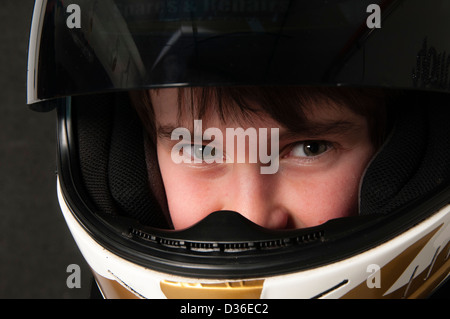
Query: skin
{"type": "Point", "coordinates": [317, 180]}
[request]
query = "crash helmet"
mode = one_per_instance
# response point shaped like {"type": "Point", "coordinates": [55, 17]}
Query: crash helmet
{"type": "Point", "coordinates": [88, 59]}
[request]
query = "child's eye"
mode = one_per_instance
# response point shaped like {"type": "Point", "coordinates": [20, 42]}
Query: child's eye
{"type": "Point", "coordinates": [202, 152]}
{"type": "Point", "coordinates": [310, 148]}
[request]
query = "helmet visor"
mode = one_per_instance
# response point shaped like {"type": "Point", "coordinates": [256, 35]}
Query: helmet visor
{"type": "Point", "coordinates": [97, 46]}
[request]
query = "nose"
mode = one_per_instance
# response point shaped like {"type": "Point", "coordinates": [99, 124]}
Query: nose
{"type": "Point", "coordinates": [255, 196]}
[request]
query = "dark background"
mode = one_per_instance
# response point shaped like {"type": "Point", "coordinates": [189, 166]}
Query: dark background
{"type": "Point", "coordinates": [35, 244]}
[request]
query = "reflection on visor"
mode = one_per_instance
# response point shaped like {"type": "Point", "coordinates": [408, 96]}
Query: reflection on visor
{"type": "Point", "coordinates": [122, 44]}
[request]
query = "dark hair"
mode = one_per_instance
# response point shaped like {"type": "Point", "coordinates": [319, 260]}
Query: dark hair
{"type": "Point", "coordinates": [285, 104]}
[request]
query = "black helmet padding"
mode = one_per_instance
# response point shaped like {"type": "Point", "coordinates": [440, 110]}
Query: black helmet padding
{"type": "Point", "coordinates": [414, 161]}
{"type": "Point", "coordinates": [112, 159]}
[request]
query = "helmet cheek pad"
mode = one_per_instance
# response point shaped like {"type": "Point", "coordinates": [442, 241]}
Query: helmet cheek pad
{"type": "Point", "coordinates": [112, 160]}
{"type": "Point", "coordinates": [413, 162]}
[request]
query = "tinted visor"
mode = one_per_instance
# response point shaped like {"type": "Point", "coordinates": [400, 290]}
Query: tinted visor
{"type": "Point", "coordinates": [97, 46]}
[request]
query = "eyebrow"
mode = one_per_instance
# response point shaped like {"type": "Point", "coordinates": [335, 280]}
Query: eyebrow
{"type": "Point", "coordinates": [325, 128]}
{"type": "Point", "coordinates": [309, 129]}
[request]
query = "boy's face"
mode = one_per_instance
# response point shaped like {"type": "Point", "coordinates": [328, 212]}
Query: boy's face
{"type": "Point", "coordinates": [317, 178]}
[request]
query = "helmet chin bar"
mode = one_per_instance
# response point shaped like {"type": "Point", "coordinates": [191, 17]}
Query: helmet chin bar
{"type": "Point", "coordinates": [411, 265]}
{"type": "Point", "coordinates": [228, 231]}
{"type": "Point", "coordinates": [231, 245]}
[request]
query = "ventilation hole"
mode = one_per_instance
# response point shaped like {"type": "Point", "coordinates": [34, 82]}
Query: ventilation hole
{"type": "Point", "coordinates": [238, 247]}
{"type": "Point", "coordinates": [172, 243]}
{"type": "Point", "coordinates": [311, 237]}
{"type": "Point", "coordinates": [235, 247]}
{"type": "Point", "coordinates": [203, 247]}
{"type": "Point", "coordinates": [274, 244]}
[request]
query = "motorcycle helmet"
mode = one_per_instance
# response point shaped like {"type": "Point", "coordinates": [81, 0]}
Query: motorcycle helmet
{"type": "Point", "coordinates": [86, 56]}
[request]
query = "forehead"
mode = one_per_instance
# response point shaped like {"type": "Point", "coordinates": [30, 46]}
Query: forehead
{"type": "Point", "coordinates": [165, 105]}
